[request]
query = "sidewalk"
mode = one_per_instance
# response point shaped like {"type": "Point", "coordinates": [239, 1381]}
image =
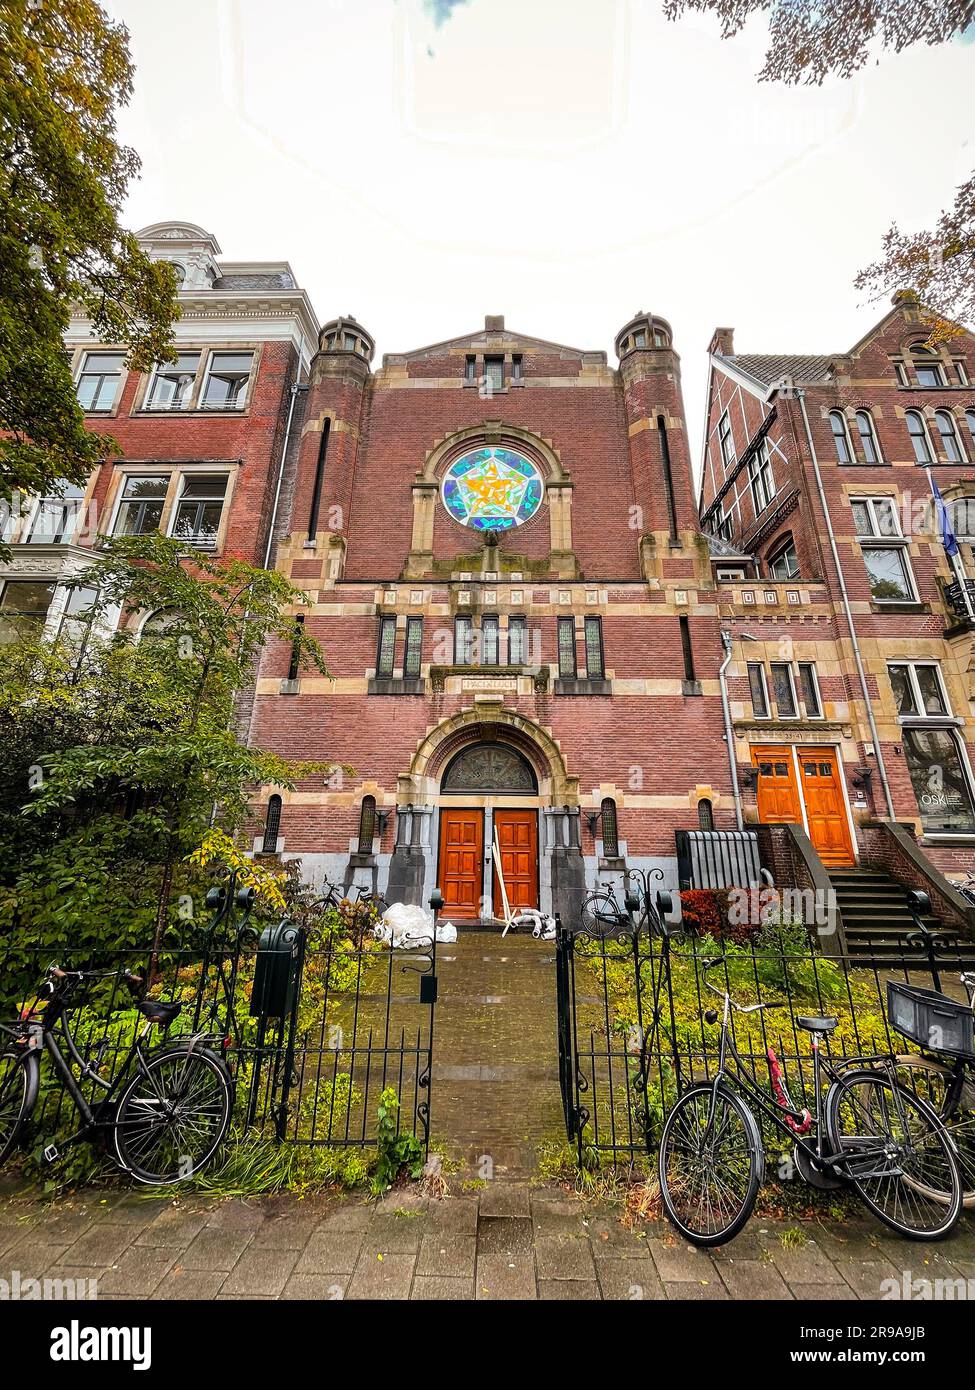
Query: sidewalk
{"type": "Point", "coordinates": [507, 1241]}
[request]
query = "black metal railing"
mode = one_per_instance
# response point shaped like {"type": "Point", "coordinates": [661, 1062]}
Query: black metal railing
{"type": "Point", "coordinates": [955, 598]}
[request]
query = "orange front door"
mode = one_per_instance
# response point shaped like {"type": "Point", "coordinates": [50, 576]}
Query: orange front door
{"type": "Point", "coordinates": [516, 833]}
{"type": "Point", "coordinates": [778, 794]}
{"type": "Point", "coordinates": [822, 791]}
{"type": "Point", "coordinates": [460, 866]}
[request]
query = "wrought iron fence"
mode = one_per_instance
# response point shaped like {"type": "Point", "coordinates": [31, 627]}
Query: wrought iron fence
{"type": "Point", "coordinates": [632, 1027]}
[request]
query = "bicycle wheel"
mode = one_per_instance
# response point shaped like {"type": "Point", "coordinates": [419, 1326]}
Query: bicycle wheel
{"type": "Point", "coordinates": [898, 1154]}
{"type": "Point", "coordinates": [603, 916]}
{"type": "Point", "coordinates": [932, 1080]}
{"type": "Point", "coordinates": [171, 1118]}
{"type": "Point", "coordinates": [19, 1073]}
{"type": "Point", "coordinates": [710, 1174]}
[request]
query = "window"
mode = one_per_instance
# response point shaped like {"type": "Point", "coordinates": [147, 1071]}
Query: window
{"type": "Point", "coordinates": [723, 572]}
{"type": "Point", "coordinates": [841, 438]}
{"type": "Point", "coordinates": [228, 373]}
{"type": "Point", "coordinates": [760, 477]}
{"type": "Point", "coordinates": [199, 508]}
{"type": "Point", "coordinates": [470, 369]}
{"type": "Point", "coordinates": [517, 642]}
{"type": "Point", "coordinates": [594, 648]}
{"type": "Point", "coordinates": [24, 602]}
{"type": "Point", "coordinates": [705, 813]}
{"type": "Point", "coordinates": [367, 824]}
{"type": "Point", "coordinates": [917, 688]}
{"type": "Point", "coordinates": [726, 442]}
{"type": "Point", "coordinates": [928, 368]}
{"type": "Point", "coordinates": [56, 516]}
{"type": "Point", "coordinates": [759, 690]}
{"type": "Point", "coordinates": [171, 384]}
{"type": "Point", "coordinates": [272, 826]}
{"type": "Point", "coordinates": [463, 641]}
{"type": "Point", "coordinates": [294, 660]}
{"type": "Point", "coordinates": [940, 781]}
{"type": "Point", "coordinates": [949, 436]}
{"type": "Point", "coordinates": [687, 650]}
{"type": "Point", "coordinates": [784, 690]}
{"type": "Point", "coordinates": [77, 618]}
{"type": "Point", "coordinates": [610, 833]}
{"type": "Point", "coordinates": [489, 640]}
{"type": "Point", "coordinates": [494, 373]}
{"type": "Point", "coordinates": [875, 516]}
{"type": "Point", "coordinates": [99, 380]}
{"type": "Point", "coordinates": [349, 342]}
{"type": "Point", "coordinates": [970, 421]}
{"type": "Point", "coordinates": [888, 570]}
{"type": "Point", "coordinates": [386, 651]}
{"type": "Point", "coordinates": [868, 436]}
{"type": "Point", "coordinates": [809, 686]}
{"type": "Point", "coordinates": [784, 564]}
{"type": "Point", "coordinates": [141, 507]}
{"type": "Point", "coordinates": [516, 367]}
{"type": "Point", "coordinates": [414, 647]}
{"type": "Point", "coordinates": [919, 437]}
{"type": "Point", "coordinates": [567, 648]}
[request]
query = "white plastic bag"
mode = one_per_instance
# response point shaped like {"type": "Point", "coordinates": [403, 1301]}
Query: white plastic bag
{"type": "Point", "coordinates": [405, 927]}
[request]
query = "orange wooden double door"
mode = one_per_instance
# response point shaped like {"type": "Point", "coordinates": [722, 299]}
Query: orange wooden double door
{"type": "Point", "coordinates": [818, 788]}
{"type": "Point", "coordinates": [460, 866]}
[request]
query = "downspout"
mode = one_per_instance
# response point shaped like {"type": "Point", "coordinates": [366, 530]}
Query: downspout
{"type": "Point", "coordinates": [878, 752]}
{"type": "Point", "coordinates": [728, 731]}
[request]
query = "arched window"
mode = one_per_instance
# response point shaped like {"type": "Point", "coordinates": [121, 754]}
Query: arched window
{"type": "Point", "coordinates": [841, 438]}
{"type": "Point", "coordinates": [949, 436]}
{"type": "Point", "coordinates": [868, 437]}
{"type": "Point", "coordinates": [970, 421]}
{"type": "Point", "coordinates": [919, 436]}
{"type": "Point", "coordinates": [705, 814]}
{"type": "Point", "coordinates": [272, 825]}
{"type": "Point", "coordinates": [367, 824]}
{"type": "Point", "coordinates": [928, 367]}
{"type": "Point", "coordinates": [486, 767]}
{"type": "Point", "coordinates": [611, 841]}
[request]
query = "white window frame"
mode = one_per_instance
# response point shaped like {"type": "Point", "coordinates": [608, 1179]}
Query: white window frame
{"type": "Point", "coordinates": [201, 402]}
{"type": "Point", "coordinates": [761, 478]}
{"type": "Point", "coordinates": [160, 369]}
{"type": "Point", "coordinates": [915, 684]}
{"type": "Point", "coordinates": [179, 498]}
{"type": "Point", "coordinates": [845, 437]}
{"type": "Point", "coordinates": [82, 361]}
{"type": "Point", "coordinates": [870, 501]}
{"type": "Point", "coordinates": [777, 555]}
{"type": "Point", "coordinates": [729, 456]}
{"type": "Point", "coordinates": [871, 435]}
{"type": "Point", "coordinates": [927, 357]}
{"type": "Point", "coordinates": [955, 435]}
{"type": "Point", "coordinates": [925, 435]}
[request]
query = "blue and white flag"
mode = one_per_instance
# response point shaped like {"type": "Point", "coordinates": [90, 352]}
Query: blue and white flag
{"type": "Point", "coordinates": [948, 538]}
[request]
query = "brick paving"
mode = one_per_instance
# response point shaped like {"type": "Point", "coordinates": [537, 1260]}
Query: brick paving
{"type": "Point", "coordinates": [506, 1241]}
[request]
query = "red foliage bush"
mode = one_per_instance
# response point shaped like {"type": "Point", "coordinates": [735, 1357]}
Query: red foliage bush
{"type": "Point", "coordinates": [705, 912]}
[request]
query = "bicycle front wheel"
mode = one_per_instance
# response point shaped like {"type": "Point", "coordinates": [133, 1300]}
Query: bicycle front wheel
{"type": "Point", "coordinates": [935, 1083]}
{"type": "Point", "coordinates": [19, 1073]}
{"type": "Point", "coordinates": [897, 1153]}
{"type": "Point", "coordinates": [172, 1116]}
{"type": "Point", "coordinates": [710, 1173]}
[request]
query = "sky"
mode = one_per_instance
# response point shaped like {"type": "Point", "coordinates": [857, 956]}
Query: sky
{"type": "Point", "coordinates": [566, 163]}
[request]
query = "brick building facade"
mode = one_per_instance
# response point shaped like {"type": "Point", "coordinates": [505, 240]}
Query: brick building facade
{"type": "Point", "coordinates": [852, 681]}
{"type": "Point", "coordinates": [500, 544]}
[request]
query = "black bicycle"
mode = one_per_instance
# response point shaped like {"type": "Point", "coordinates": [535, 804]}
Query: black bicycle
{"type": "Point", "coordinates": [868, 1132]}
{"type": "Point", "coordinates": [163, 1111]}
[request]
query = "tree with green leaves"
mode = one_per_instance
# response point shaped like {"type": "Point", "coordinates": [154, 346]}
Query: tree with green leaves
{"type": "Point", "coordinates": [65, 71]}
{"type": "Point", "coordinates": [122, 755]}
{"type": "Point", "coordinates": [810, 41]}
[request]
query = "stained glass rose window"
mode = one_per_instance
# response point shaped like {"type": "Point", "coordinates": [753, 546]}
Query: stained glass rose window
{"type": "Point", "coordinates": [492, 488]}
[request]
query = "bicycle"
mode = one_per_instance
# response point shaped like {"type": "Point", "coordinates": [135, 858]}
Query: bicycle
{"type": "Point", "coordinates": [164, 1110]}
{"type": "Point", "coordinates": [868, 1132]}
{"type": "Point", "coordinates": [334, 895]}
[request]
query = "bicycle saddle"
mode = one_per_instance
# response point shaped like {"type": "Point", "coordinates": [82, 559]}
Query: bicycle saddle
{"type": "Point", "coordinates": [159, 1010]}
{"type": "Point", "coordinates": [817, 1025]}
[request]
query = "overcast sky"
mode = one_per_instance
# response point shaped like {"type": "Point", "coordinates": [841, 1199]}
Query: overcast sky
{"type": "Point", "coordinates": [422, 163]}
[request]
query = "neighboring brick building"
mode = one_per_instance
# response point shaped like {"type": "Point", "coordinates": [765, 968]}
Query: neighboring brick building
{"type": "Point", "coordinates": [865, 667]}
{"type": "Point", "coordinates": [203, 440]}
{"type": "Point", "coordinates": [499, 539]}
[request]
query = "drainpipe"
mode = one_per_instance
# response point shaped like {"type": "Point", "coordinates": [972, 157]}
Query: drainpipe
{"type": "Point", "coordinates": [878, 752]}
{"type": "Point", "coordinates": [296, 386]}
{"type": "Point", "coordinates": [728, 731]}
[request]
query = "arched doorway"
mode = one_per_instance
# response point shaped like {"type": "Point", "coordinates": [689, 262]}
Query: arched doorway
{"type": "Point", "coordinates": [477, 789]}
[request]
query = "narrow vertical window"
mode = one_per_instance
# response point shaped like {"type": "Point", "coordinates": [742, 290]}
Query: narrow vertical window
{"type": "Point", "coordinates": [462, 641]}
{"type": "Point", "coordinates": [489, 640]}
{"type": "Point", "coordinates": [594, 649]}
{"type": "Point", "coordinates": [868, 437]}
{"type": "Point", "coordinates": [970, 421]}
{"type": "Point", "coordinates": [386, 652]}
{"type": "Point", "coordinates": [316, 496]}
{"type": "Point", "coordinates": [949, 436]}
{"type": "Point", "coordinates": [516, 367]}
{"type": "Point", "coordinates": [705, 814]}
{"type": "Point", "coordinates": [517, 642]}
{"type": "Point", "coordinates": [686, 649]}
{"type": "Point", "coordinates": [494, 372]}
{"type": "Point", "coordinates": [272, 825]}
{"type": "Point", "coordinates": [567, 648]}
{"type": "Point", "coordinates": [919, 437]}
{"type": "Point", "coordinates": [470, 368]}
{"type": "Point", "coordinates": [611, 842]}
{"type": "Point", "coordinates": [810, 690]}
{"type": "Point", "coordinates": [367, 824]}
{"type": "Point", "coordinates": [759, 691]}
{"type": "Point", "coordinates": [841, 440]}
{"type": "Point", "coordinates": [726, 442]}
{"type": "Point", "coordinates": [414, 647]}
{"type": "Point", "coordinates": [295, 659]}
{"type": "Point", "coordinates": [784, 690]}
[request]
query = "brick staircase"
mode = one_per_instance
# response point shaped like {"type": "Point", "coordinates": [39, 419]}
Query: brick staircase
{"type": "Point", "coordinates": [876, 918]}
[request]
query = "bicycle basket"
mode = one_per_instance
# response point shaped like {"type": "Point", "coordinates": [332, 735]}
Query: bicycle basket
{"type": "Point", "coordinates": [931, 1020]}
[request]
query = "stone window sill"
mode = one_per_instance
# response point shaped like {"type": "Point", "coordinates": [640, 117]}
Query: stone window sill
{"type": "Point", "coordinates": [578, 685]}
{"type": "Point", "coordinates": [396, 685]}
{"type": "Point", "coordinates": [882, 606]}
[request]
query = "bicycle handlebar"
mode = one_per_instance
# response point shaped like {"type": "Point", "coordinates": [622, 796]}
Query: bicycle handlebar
{"type": "Point", "coordinates": [724, 994]}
